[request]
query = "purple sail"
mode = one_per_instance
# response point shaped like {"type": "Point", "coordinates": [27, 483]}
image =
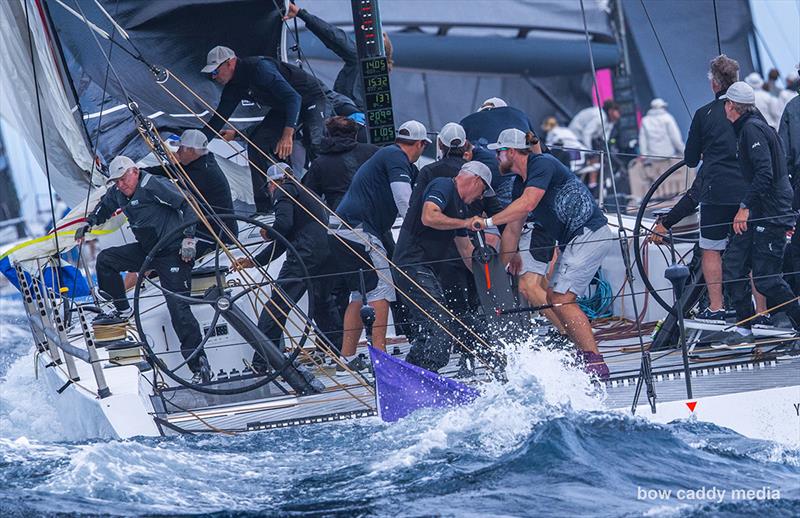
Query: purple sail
{"type": "Point", "coordinates": [403, 388]}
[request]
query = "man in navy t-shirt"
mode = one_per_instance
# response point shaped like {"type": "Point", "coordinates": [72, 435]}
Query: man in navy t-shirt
{"type": "Point", "coordinates": [433, 222]}
{"type": "Point", "coordinates": [565, 209]}
{"type": "Point", "coordinates": [379, 192]}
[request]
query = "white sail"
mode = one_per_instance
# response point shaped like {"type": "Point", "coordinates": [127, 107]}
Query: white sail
{"type": "Point", "coordinates": [68, 156]}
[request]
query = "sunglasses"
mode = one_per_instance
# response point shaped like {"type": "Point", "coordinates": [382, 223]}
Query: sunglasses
{"type": "Point", "coordinates": [214, 73]}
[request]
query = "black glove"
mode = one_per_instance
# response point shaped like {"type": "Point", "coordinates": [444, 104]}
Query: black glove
{"type": "Point", "coordinates": [81, 232]}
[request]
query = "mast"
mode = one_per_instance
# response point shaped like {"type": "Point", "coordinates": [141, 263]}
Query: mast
{"type": "Point", "coordinates": [623, 86]}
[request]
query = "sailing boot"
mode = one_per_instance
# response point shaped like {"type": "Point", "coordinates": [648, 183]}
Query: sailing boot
{"type": "Point", "coordinates": [595, 364]}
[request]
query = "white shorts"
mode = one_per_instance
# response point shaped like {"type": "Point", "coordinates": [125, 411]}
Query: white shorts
{"type": "Point", "coordinates": [377, 254]}
{"type": "Point", "coordinates": [580, 260]}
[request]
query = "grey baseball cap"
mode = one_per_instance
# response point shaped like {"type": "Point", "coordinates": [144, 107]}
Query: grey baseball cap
{"type": "Point", "coordinates": [217, 56]}
{"type": "Point", "coordinates": [452, 134]}
{"type": "Point", "coordinates": [482, 171]}
{"type": "Point", "coordinates": [194, 139]}
{"type": "Point", "coordinates": [740, 92]}
{"type": "Point", "coordinates": [118, 167]}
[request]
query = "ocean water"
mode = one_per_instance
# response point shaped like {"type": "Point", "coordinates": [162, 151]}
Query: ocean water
{"type": "Point", "coordinates": [540, 445]}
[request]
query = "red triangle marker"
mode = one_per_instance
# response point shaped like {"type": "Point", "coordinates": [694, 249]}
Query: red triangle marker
{"type": "Point", "coordinates": [691, 405]}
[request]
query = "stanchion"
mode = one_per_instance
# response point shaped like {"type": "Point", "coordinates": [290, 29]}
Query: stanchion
{"type": "Point", "coordinates": [677, 275]}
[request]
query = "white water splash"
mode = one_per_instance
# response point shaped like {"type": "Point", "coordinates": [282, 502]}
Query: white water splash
{"type": "Point", "coordinates": [542, 384]}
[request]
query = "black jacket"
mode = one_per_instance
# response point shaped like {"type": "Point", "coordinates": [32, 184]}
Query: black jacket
{"type": "Point", "coordinates": [790, 135]}
{"type": "Point", "coordinates": [712, 140]}
{"type": "Point", "coordinates": [157, 208]}
{"type": "Point", "coordinates": [271, 83]}
{"type": "Point", "coordinates": [330, 174]}
{"type": "Point", "coordinates": [293, 221]}
{"type": "Point", "coordinates": [348, 82]}
{"type": "Point", "coordinates": [209, 185]}
{"type": "Point", "coordinates": [763, 164]}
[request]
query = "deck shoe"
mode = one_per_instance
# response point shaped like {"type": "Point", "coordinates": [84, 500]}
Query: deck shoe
{"type": "Point", "coordinates": [595, 364]}
{"type": "Point", "coordinates": [359, 363]}
{"type": "Point", "coordinates": [711, 317]}
{"type": "Point", "coordinates": [117, 316]}
{"type": "Point", "coordinates": [204, 370]}
{"type": "Point", "coordinates": [761, 321]}
{"type": "Point", "coordinates": [733, 339]}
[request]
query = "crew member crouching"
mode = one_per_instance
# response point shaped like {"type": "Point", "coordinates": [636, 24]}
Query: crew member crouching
{"type": "Point", "coordinates": [432, 223]}
{"type": "Point", "coordinates": [154, 208]}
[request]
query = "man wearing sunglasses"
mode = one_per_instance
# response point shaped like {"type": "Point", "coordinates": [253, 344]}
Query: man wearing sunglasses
{"type": "Point", "coordinates": [569, 215]}
{"type": "Point", "coordinates": [292, 95]}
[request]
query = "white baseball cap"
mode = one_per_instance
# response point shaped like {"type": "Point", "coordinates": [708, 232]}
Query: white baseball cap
{"type": "Point", "coordinates": [657, 103]}
{"type": "Point", "coordinates": [511, 137]}
{"type": "Point", "coordinates": [118, 167]}
{"type": "Point", "coordinates": [492, 102]}
{"type": "Point", "coordinates": [413, 130]}
{"type": "Point", "coordinates": [217, 56]}
{"type": "Point", "coordinates": [452, 134]}
{"type": "Point", "coordinates": [278, 171]}
{"type": "Point", "coordinates": [194, 139]}
{"type": "Point", "coordinates": [740, 92]}
{"type": "Point", "coordinates": [482, 171]}
{"type": "Point", "coordinates": [755, 80]}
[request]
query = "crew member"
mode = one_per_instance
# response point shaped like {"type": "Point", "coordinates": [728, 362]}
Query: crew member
{"type": "Point", "coordinates": [293, 96]}
{"type": "Point", "coordinates": [764, 215]}
{"type": "Point", "coordinates": [208, 184]}
{"type": "Point", "coordinates": [155, 208]}
{"type": "Point", "coordinates": [790, 135]}
{"type": "Point", "coordinates": [569, 215]}
{"type": "Point", "coordinates": [718, 187]}
{"type": "Point", "coordinates": [428, 231]}
{"type": "Point", "coordinates": [297, 218]}
{"type": "Point", "coordinates": [379, 192]}
{"type": "Point", "coordinates": [340, 156]}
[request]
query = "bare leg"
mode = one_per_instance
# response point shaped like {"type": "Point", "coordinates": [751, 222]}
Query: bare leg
{"type": "Point", "coordinates": [712, 273]}
{"type": "Point", "coordinates": [761, 300]}
{"type": "Point", "coordinates": [353, 326]}
{"type": "Point", "coordinates": [575, 321]}
{"type": "Point", "coordinates": [533, 288]}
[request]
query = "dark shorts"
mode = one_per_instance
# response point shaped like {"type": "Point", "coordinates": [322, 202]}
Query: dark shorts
{"type": "Point", "coordinates": [716, 224]}
{"type": "Point", "coordinates": [536, 249]}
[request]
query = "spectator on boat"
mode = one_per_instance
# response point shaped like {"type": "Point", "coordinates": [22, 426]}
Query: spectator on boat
{"type": "Point", "coordinates": [764, 216]}
{"type": "Point", "coordinates": [789, 93]}
{"type": "Point", "coordinates": [437, 219]}
{"type": "Point", "coordinates": [590, 129]}
{"type": "Point", "coordinates": [293, 95]}
{"type": "Point", "coordinates": [340, 156]}
{"type": "Point", "coordinates": [563, 143]}
{"type": "Point", "coordinates": [565, 209]}
{"type": "Point", "coordinates": [483, 127]}
{"type": "Point", "coordinates": [155, 208]}
{"type": "Point", "coordinates": [348, 81]}
{"type": "Point", "coordinates": [297, 218]}
{"type": "Point", "coordinates": [207, 183]}
{"type": "Point", "coordinates": [379, 192]}
{"type": "Point", "coordinates": [660, 146]}
{"type": "Point", "coordinates": [771, 84]}
{"type": "Point", "coordinates": [766, 103]}
{"type": "Point", "coordinates": [718, 187]}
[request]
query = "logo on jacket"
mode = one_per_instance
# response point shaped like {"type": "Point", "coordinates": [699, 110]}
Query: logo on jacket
{"type": "Point", "coordinates": [134, 202]}
{"type": "Point", "coordinates": [755, 145]}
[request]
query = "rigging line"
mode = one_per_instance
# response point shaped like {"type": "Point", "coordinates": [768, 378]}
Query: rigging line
{"type": "Point", "coordinates": [94, 151]}
{"type": "Point", "coordinates": [41, 131]}
{"type": "Point", "coordinates": [386, 277]}
{"type": "Point", "coordinates": [664, 54]}
{"type": "Point", "coordinates": [623, 233]}
{"type": "Point", "coordinates": [716, 24]}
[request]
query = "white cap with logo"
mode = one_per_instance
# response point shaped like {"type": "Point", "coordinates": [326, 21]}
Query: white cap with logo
{"type": "Point", "coordinates": [412, 130]}
{"type": "Point", "coordinates": [482, 171]}
{"type": "Point", "coordinates": [492, 102]}
{"type": "Point", "coordinates": [278, 171]}
{"type": "Point", "coordinates": [194, 139]}
{"type": "Point", "coordinates": [452, 134]}
{"type": "Point", "coordinates": [118, 167]}
{"type": "Point", "coordinates": [217, 56]}
{"type": "Point", "coordinates": [510, 138]}
{"type": "Point", "coordinates": [740, 92]}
